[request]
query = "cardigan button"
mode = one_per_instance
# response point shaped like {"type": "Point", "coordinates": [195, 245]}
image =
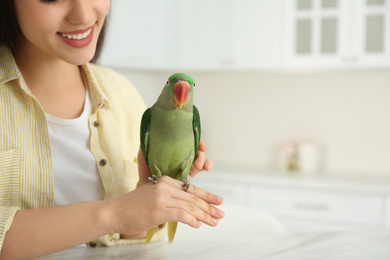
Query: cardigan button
{"type": "Point", "coordinates": [96, 124]}
{"type": "Point", "coordinates": [92, 244]}
{"type": "Point", "coordinates": [103, 162]}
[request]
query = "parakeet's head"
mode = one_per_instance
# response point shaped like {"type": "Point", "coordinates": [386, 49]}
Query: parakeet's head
{"type": "Point", "coordinates": [178, 92]}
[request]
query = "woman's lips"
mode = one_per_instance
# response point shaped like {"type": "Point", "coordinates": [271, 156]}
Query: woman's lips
{"type": "Point", "coordinates": [78, 38]}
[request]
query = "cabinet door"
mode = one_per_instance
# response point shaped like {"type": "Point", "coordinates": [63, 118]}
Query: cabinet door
{"type": "Point", "coordinates": [326, 207]}
{"type": "Point", "coordinates": [200, 39]}
{"type": "Point", "coordinates": [317, 32]}
{"type": "Point", "coordinates": [136, 33]}
{"type": "Point", "coordinates": [372, 31]}
{"type": "Point", "coordinates": [229, 34]}
{"type": "Point", "coordinates": [254, 34]}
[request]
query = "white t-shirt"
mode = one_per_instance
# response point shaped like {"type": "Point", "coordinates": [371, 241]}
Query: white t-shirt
{"type": "Point", "coordinates": [76, 176]}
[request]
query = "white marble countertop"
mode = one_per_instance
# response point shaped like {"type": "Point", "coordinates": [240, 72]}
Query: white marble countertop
{"type": "Point", "coordinates": [357, 245]}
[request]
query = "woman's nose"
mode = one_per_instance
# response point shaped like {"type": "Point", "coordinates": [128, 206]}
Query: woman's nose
{"type": "Point", "coordinates": [81, 12]}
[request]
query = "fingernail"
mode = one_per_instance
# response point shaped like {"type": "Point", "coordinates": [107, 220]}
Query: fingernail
{"type": "Point", "coordinates": [218, 199]}
{"type": "Point", "coordinates": [220, 213]}
{"type": "Point", "coordinates": [198, 224]}
{"type": "Point", "coordinates": [214, 221]}
{"type": "Point", "coordinates": [207, 166]}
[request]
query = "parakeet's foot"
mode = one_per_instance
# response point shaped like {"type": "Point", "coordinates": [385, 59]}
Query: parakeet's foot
{"type": "Point", "coordinates": [187, 184]}
{"type": "Point", "coordinates": [153, 179]}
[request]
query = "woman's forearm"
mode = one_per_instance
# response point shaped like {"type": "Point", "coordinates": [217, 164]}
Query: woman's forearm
{"type": "Point", "coordinates": [38, 232]}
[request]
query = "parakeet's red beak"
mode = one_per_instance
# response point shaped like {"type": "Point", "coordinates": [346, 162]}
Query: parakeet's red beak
{"type": "Point", "coordinates": [181, 91]}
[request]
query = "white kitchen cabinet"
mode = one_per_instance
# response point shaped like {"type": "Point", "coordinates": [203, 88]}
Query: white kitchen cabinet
{"type": "Point", "coordinates": [372, 33]}
{"type": "Point", "coordinates": [337, 33]}
{"type": "Point", "coordinates": [138, 34]}
{"type": "Point", "coordinates": [306, 203]}
{"type": "Point", "coordinates": [256, 35]}
{"type": "Point", "coordinates": [247, 34]}
{"type": "Point", "coordinates": [321, 205]}
{"type": "Point", "coordinates": [334, 210]}
{"type": "Point", "coordinates": [232, 34]}
{"type": "Point", "coordinates": [317, 32]}
{"type": "Point", "coordinates": [193, 35]}
{"type": "Point", "coordinates": [200, 42]}
{"type": "Point", "coordinates": [387, 213]}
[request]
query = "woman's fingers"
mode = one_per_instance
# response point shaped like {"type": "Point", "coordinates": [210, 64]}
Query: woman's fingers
{"type": "Point", "coordinates": [201, 156]}
{"type": "Point", "coordinates": [183, 217]}
{"type": "Point", "coordinates": [196, 203]}
{"type": "Point", "coordinates": [166, 200]}
{"type": "Point", "coordinates": [206, 196]}
{"type": "Point", "coordinates": [198, 192]}
{"type": "Point", "coordinates": [143, 169]}
{"type": "Point", "coordinates": [189, 213]}
{"type": "Point", "coordinates": [201, 162]}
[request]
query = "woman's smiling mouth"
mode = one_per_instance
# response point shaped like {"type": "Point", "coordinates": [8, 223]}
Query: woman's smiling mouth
{"type": "Point", "coordinates": [78, 38]}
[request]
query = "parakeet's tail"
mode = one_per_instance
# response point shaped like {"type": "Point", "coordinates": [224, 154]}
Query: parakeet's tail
{"type": "Point", "coordinates": [150, 234]}
{"type": "Point", "coordinates": [171, 231]}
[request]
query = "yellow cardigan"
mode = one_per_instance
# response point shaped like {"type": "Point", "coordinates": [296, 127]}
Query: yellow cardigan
{"type": "Point", "coordinates": [26, 178]}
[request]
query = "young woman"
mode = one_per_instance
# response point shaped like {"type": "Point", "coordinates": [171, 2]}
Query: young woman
{"type": "Point", "coordinates": [70, 168]}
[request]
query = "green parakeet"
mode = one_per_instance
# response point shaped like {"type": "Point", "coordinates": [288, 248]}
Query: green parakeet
{"type": "Point", "coordinates": [170, 135]}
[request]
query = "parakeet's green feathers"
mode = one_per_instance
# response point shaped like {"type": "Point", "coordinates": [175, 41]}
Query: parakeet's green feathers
{"type": "Point", "coordinates": [197, 128]}
{"type": "Point", "coordinates": [170, 134]}
{"type": "Point", "coordinates": [145, 130]}
{"type": "Point", "coordinates": [181, 76]}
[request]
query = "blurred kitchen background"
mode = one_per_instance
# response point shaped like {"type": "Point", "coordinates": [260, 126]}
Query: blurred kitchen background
{"type": "Point", "coordinates": [294, 95]}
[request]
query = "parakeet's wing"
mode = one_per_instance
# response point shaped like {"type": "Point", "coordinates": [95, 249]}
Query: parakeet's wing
{"type": "Point", "coordinates": [145, 131]}
{"type": "Point", "coordinates": [197, 128]}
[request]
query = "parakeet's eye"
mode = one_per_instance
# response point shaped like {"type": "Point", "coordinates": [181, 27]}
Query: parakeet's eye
{"type": "Point", "coordinates": [194, 84]}
{"type": "Point", "coordinates": [167, 82]}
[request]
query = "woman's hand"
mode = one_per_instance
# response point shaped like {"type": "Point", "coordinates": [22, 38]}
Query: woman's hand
{"type": "Point", "coordinates": [192, 209]}
{"type": "Point", "coordinates": [154, 204]}
{"type": "Point", "coordinates": [143, 170]}
{"type": "Point", "coordinates": [201, 163]}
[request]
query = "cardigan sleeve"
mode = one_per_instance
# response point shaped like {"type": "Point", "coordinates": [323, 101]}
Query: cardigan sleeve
{"type": "Point", "coordinates": [114, 239]}
{"type": "Point", "coordinates": [9, 189]}
{"type": "Point", "coordinates": [127, 106]}
{"type": "Point", "coordinates": [6, 217]}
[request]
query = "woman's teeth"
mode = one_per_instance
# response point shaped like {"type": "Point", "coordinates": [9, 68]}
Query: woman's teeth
{"type": "Point", "coordinates": [79, 36]}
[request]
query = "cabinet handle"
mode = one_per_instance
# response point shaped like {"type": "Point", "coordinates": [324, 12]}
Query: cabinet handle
{"type": "Point", "coordinates": [311, 206]}
{"type": "Point", "coordinates": [226, 62]}
{"type": "Point", "coordinates": [350, 59]}
{"type": "Point", "coordinates": [354, 59]}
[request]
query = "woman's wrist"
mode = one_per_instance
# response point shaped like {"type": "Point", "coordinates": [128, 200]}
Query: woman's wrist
{"type": "Point", "coordinates": [107, 216]}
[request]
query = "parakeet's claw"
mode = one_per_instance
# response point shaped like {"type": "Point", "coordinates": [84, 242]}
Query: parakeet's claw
{"type": "Point", "coordinates": [187, 185]}
{"type": "Point", "coordinates": [153, 179]}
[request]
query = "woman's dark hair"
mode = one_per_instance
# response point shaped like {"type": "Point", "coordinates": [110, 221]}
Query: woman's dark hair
{"type": "Point", "coordinates": [9, 29]}
{"type": "Point", "coordinates": [10, 33]}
